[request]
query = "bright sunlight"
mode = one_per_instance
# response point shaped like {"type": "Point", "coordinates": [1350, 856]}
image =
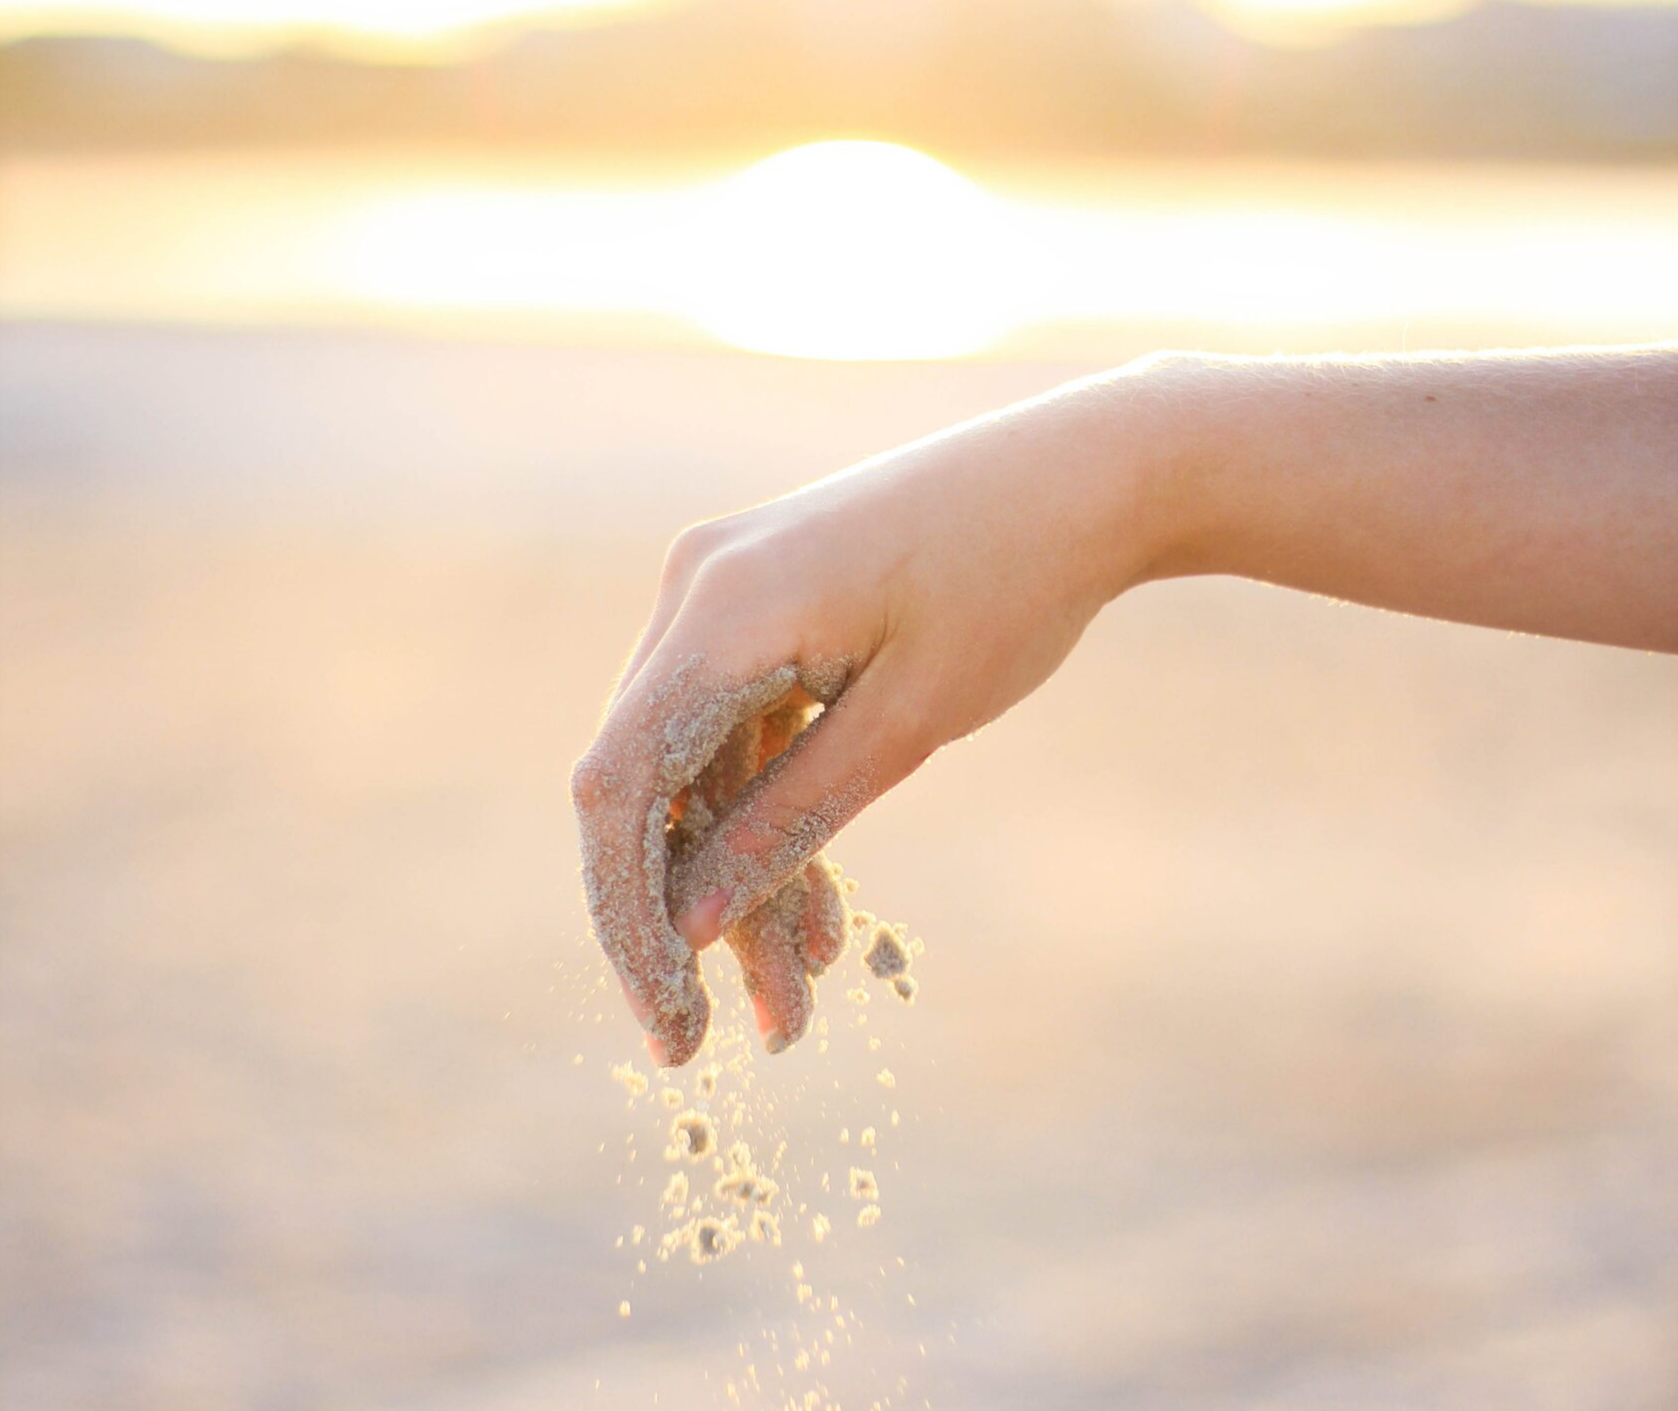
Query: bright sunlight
{"type": "Point", "coordinates": [844, 250]}
{"type": "Point", "coordinates": [849, 250]}
{"type": "Point", "coordinates": [396, 30]}
{"type": "Point", "coordinates": [365, 28]}
{"type": "Point", "coordinates": [841, 250]}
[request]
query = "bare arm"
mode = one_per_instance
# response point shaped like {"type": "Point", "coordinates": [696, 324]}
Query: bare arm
{"type": "Point", "coordinates": [925, 591]}
{"type": "Point", "coordinates": [1537, 492]}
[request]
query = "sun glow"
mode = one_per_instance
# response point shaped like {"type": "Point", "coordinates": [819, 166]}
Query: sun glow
{"type": "Point", "coordinates": [366, 29]}
{"type": "Point", "coordinates": [849, 250]}
{"type": "Point", "coordinates": [846, 250]}
{"type": "Point", "coordinates": [867, 250]}
{"type": "Point", "coordinates": [394, 28]}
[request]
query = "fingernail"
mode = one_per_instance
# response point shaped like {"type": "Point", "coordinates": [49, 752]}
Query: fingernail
{"type": "Point", "coordinates": [657, 1051]}
{"type": "Point", "coordinates": [775, 1041]}
{"type": "Point", "coordinates": [701, 923]}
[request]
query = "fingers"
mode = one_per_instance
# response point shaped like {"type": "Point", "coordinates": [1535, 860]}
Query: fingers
{"type": "Point", "coordinates": [784, 944]}
{"type": "Point", "coordinates": [868, 741]}
{"type": "Point", "coordinates": [662, 730]}
{"type": "Point", "coordinates": [664, 613]}
{"type": "Point", "coordinates": [827, 919]}
{"type": "Point", "coordinates": [799, 931]}
{"type": "Point", "coordinates": [767, 945]}
{"type": "Point", "coordinates": [700, 805]}
{"type": "Point", "coordinates": [620, 816]}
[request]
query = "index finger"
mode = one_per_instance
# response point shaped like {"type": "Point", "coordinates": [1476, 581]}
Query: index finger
{"type": "Point", "coordinates": [656, 738]}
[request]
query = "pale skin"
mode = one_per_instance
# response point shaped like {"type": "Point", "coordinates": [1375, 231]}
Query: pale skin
{"type": "Point", "coordinates": [1532, 492]}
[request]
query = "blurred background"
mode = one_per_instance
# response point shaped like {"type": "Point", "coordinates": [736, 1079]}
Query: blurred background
{"type": "Point", "coordinates": [1298, 1023]}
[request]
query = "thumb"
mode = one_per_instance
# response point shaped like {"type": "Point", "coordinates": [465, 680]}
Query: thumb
{"type": "Point", "coordinates": [869, 740]}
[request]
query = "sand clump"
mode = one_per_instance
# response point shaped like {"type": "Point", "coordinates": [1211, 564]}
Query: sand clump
{"type": "Point", "coordinates": [713, 1238]}
{"type": "Point", "coordinates": [863, 1185]}
{"type": "Point", "coordinates": [706, 1239]}
{"type": "Point", "coordinates": [741, 1181]}
{"type": "Point", "coordinates": [634, 1081]}
{"type": "Point", "coordinates": [693, 1135]}
{"type": "Point", "coordinates": [887, 955]}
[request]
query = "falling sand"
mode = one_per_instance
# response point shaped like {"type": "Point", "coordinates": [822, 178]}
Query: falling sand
{"type": "Point", "coordinates": [717, 750]}
{"type": "Point", "coordinates": [743, 1183]}
{"type": "Point", "coordinates": [692, 1134]}
{"type": "Point", "coordinates": [733, 1198]}
{"type": "Point", "coordinates": [705, 1239]}
{"type": "Point", "coordinates": [887, 954]}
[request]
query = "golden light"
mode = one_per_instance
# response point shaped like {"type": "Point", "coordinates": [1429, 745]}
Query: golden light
{"type": "Point", "coordinates": [853, 250]}
{"type": "Point", "coordinates": [394, 29]}
{"type": "Point", "coordinates": [507, 250]}
{"type": "Point", "coordinates": [367, 29]}
{"type": "Point", "coordinates": [842, 250]}
{"type": "Point", "coordinates": [1314, 23]}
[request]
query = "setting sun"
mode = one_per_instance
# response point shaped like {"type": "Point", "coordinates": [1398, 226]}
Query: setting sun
{"type": "Point", "coordinates": [836, 250]}
{"type": "Point", "coordinates": [843, 250]}
{"type": "Point", "coordinates": [848, 250]}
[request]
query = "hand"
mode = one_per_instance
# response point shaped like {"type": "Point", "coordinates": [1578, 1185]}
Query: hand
{"type": "Point", "coordinates": [919, 595]}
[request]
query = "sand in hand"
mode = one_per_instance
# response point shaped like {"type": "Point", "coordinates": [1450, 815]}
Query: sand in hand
{"type": "Point", "coordinates": [720, 746]}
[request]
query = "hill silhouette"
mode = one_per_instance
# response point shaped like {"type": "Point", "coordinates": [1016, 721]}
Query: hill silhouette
{"type": "Point", "coordinates": [1078, 77]}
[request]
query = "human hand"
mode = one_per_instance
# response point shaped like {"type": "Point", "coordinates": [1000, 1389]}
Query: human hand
{"type": "Point", "coordinates": [920, 594]}
{"type": "Point", "coordinates": [917, 596]}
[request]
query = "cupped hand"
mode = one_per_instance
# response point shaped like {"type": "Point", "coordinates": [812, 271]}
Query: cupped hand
{"type": "Point", "coordinates": [915, 596]}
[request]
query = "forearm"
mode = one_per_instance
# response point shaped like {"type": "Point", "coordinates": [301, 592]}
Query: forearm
{"type": "Point", "coordinates": [933, 587]}
{"type": "Point", "coordinates": [1532, 492]}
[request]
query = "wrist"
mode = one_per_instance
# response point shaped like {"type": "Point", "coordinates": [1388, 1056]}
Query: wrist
{"type": "Point", "coordinates": [1158, 462]}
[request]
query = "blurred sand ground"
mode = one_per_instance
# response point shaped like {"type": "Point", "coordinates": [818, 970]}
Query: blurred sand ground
{"type": "Point", "coordinates": [1300, 1012]}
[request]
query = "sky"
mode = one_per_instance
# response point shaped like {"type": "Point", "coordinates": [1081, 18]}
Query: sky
{"type": "Point", "coordinates": [394, 29]}
{"type": "Point", "coordinates": [367, 26]}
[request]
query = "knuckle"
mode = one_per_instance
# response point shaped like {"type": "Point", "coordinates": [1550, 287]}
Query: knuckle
{"type": "Point", "coordinates": [696, 547]}
{"type": "Point", "coordinates": [589, 782]}
{"type": "Point", "coordinates": [687, 551]}
{"type": "Point", "coordinates": [734, 573]}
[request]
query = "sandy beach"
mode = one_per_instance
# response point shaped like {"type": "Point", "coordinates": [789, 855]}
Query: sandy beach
{"type": "Point", "coordinates": [1297, 1023]}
